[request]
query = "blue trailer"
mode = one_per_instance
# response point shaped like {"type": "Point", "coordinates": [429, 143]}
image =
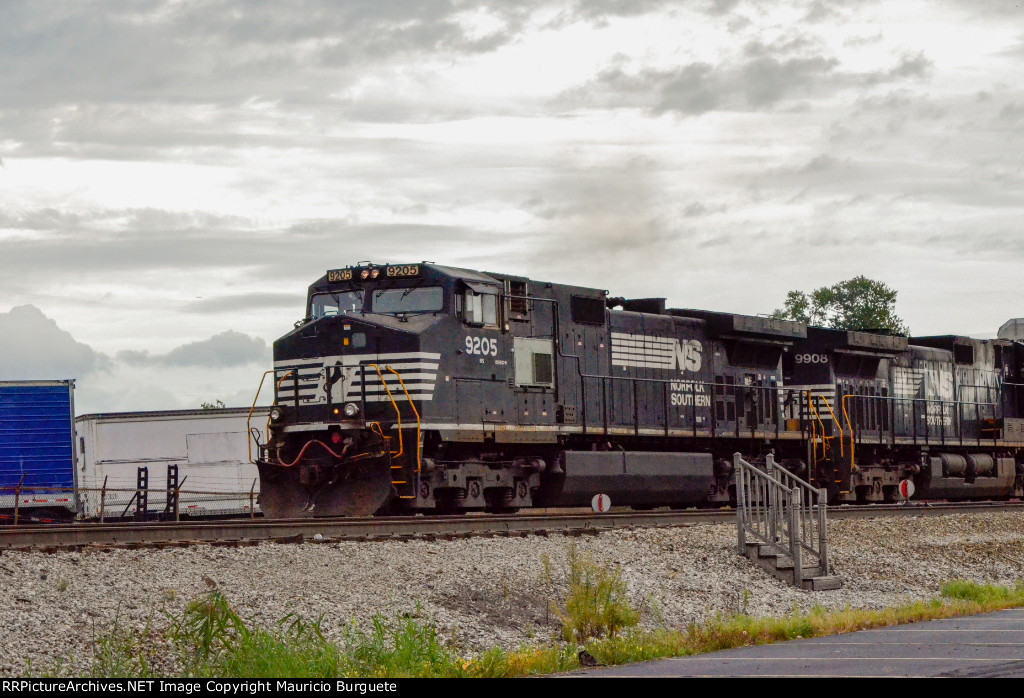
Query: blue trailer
{"type": "Point", "coordinates": [37, 450]}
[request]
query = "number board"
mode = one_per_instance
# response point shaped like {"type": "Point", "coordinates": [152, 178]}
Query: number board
{"type": "Point", "coordinates": [338, 275]}
{"type": "Point", "coordinates": [402, 270]}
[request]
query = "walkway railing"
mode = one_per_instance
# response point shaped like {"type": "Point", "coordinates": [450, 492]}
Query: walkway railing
{"type": "Point", "coordinates": [776, 507]}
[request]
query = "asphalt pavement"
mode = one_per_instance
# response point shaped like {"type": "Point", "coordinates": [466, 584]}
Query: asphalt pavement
{"type": "Point", "coordinates": [986, 645]}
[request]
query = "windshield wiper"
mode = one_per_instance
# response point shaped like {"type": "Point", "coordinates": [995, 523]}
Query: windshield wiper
{"type": "Point", "coordinates": [412, 288]}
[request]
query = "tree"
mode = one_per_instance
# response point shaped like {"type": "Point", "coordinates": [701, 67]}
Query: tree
{"type": "Point", "coordinates": [213, 405]}
{"type": "Point", "coordinates": [859, 303]}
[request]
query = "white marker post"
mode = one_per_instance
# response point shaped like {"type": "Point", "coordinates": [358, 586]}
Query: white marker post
{"type": "Point", "coordinates": [601, 503]}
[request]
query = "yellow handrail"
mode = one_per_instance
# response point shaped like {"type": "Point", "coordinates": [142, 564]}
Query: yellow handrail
{"type": "Point", "coordinates": [253, 409]}
{"type": "Point", "coordinates": [414, 411]}
{"type": "Point", "coordinates": [391, 397]}
{"type": "Point", "coordinates": [847, 417]}
{"type": "Point", "coordinates": [834, 421]}
{"type": "Point", "coordinates": [277, 391]}
{"type": "Point", "coordinates": [814, 430]}
{"type": "Point", "coordinates": [824, 439]}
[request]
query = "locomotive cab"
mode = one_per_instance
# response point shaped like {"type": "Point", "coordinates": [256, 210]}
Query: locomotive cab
{"type": "Point", "coordinates": [345, 379]}
{"type": "Point", "coordinates": [392, 365]}
{"type": "Point", "coordinates": [842, 380]}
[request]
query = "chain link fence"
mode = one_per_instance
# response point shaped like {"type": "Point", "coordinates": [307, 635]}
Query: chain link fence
{"type": "Point", "coordinates": [35, 504]}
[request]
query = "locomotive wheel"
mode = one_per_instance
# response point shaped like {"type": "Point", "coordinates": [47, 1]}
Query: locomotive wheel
{"type": "Point", "coordinates": [499, 500]}
{"type": "Point", "coordinates": [450, 500]}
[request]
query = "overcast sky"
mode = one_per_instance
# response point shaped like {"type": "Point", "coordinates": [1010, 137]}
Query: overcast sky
{"type": "Point", "coordinates": [174, 174]}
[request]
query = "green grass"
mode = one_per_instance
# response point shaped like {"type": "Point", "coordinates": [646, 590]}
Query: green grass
{"type": "Point", "coordinates": [956, 598]}
{"type": "Point", "coordinates": [984, 594]}
{"type": "Point", "coordinates": [209, 639]}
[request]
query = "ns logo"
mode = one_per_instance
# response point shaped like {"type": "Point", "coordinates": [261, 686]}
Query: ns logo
{"type": "Point", "coordinates": [687, 355]}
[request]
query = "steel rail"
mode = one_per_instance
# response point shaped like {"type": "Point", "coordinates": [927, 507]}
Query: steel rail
{"type": "Point", "coordinates": [574, 522]}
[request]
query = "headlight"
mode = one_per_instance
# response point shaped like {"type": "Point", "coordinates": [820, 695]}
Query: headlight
{"type": "Point", "coordinates": [276, 414]}
{"type": "Point", "coordinates": [351, 409]}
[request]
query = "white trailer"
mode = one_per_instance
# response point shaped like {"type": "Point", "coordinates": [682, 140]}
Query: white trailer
{"type": "Point", "coordinates": [209, 447]}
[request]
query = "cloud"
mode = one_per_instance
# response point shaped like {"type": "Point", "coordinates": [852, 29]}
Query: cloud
{"type": "Point", "coordinates": [228, 348]}
{"type": "Point", "coordinates": [173, 165]}
{"type": "Point", "coordinates": [761, 76]}
{"type": "Point", "coordinates": [123, 395]}
{"type": "Point", "coordinates": [915, 66]}
{"type": "Point", "coordinates": [243, 301]}
{"type": "Point", "coordinates": [604, 215]}
{"type": "Point", "coordinates": [162, 241]}
{"type": "Point", "coordinates": [766, 80]}
{"type": "Point", "coordinates": [753, 84]}
{"type": "Point", "coordinates": [225, 349]}
{"type": "Point", "coordinates": [692, 90]}
{"type": "Point", "coordinates": [216, 52]}
{"type": "Point", "coordinates": [32, 346]}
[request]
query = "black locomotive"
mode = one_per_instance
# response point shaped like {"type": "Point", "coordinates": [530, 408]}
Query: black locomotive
{"type": "Point", "coordinates": [420, 387]}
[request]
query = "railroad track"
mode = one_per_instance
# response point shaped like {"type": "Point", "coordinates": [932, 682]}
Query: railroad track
{"type": "Point", "coordinates": [252, 532]}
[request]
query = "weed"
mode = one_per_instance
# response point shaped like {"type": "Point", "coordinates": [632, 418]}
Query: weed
{"type": "Point", "coordinates": [213, 640]}
{"type": "Point", "coordinates": [62, 585]}
{"type": "Point", "coordinates": [123, 653]}
{"type": "Point", "coordinates": [297, 649]}
{"type": "Point", "coordinates": [398, 647]}
{"type": "Point", "coordinates": [207, 625]}
{"type": "Point", "coordinates": [652, 608]}
{"type": "Point", "coordinates": [545, 564]}
{"type": "Point", "coordinates": [737, 602]}
{"type": "Point", "coordinates": [596, 604]}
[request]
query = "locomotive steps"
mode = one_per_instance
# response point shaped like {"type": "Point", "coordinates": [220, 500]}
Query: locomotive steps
{"type": "Point", "coordinates": [781, 526]}
{"type": "Point", "coordinates": [781, 564]}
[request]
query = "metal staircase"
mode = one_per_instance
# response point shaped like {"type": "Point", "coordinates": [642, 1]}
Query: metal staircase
{"type": "Point", "coordinates": [780, 523]}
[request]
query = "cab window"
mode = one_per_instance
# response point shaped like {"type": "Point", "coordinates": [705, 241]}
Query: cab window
{"type": "Point", "coordinates": [338, 303]}
{"type": "Point", "coordinates": [478, 308]}
{"type": "Point", "coordinates": [415, 299]}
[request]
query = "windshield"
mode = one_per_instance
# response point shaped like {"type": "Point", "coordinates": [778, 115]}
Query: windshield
{"type": "Point", "coordinates": [340, 303]}
{"type": "Point", "coordinates": [392, 301]}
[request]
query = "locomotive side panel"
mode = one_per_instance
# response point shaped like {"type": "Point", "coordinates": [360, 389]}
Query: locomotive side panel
{"type": "Point", "coordinates": [660, 377]}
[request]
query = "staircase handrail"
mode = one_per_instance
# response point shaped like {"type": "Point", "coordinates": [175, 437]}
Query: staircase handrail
{"type": "Point", "coordinates": [812, 517]}
{"type": "Point", "coordinates": [803, 524]}
{"type": "Point", "coordinates": [761, 523]}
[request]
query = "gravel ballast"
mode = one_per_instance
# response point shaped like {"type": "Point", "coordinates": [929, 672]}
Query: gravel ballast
{"type": "Point", "coordinates": [480, 592]}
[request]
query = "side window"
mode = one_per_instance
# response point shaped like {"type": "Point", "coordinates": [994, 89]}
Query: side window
{"type": "Point", "coordinates": [963, 354]}
{"type": "Point", "coordinates": [478, 308]}
{"type": "Point", "coordinates": [518, 306]}
{"type": "Point", "coordinates": [534, 362]}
